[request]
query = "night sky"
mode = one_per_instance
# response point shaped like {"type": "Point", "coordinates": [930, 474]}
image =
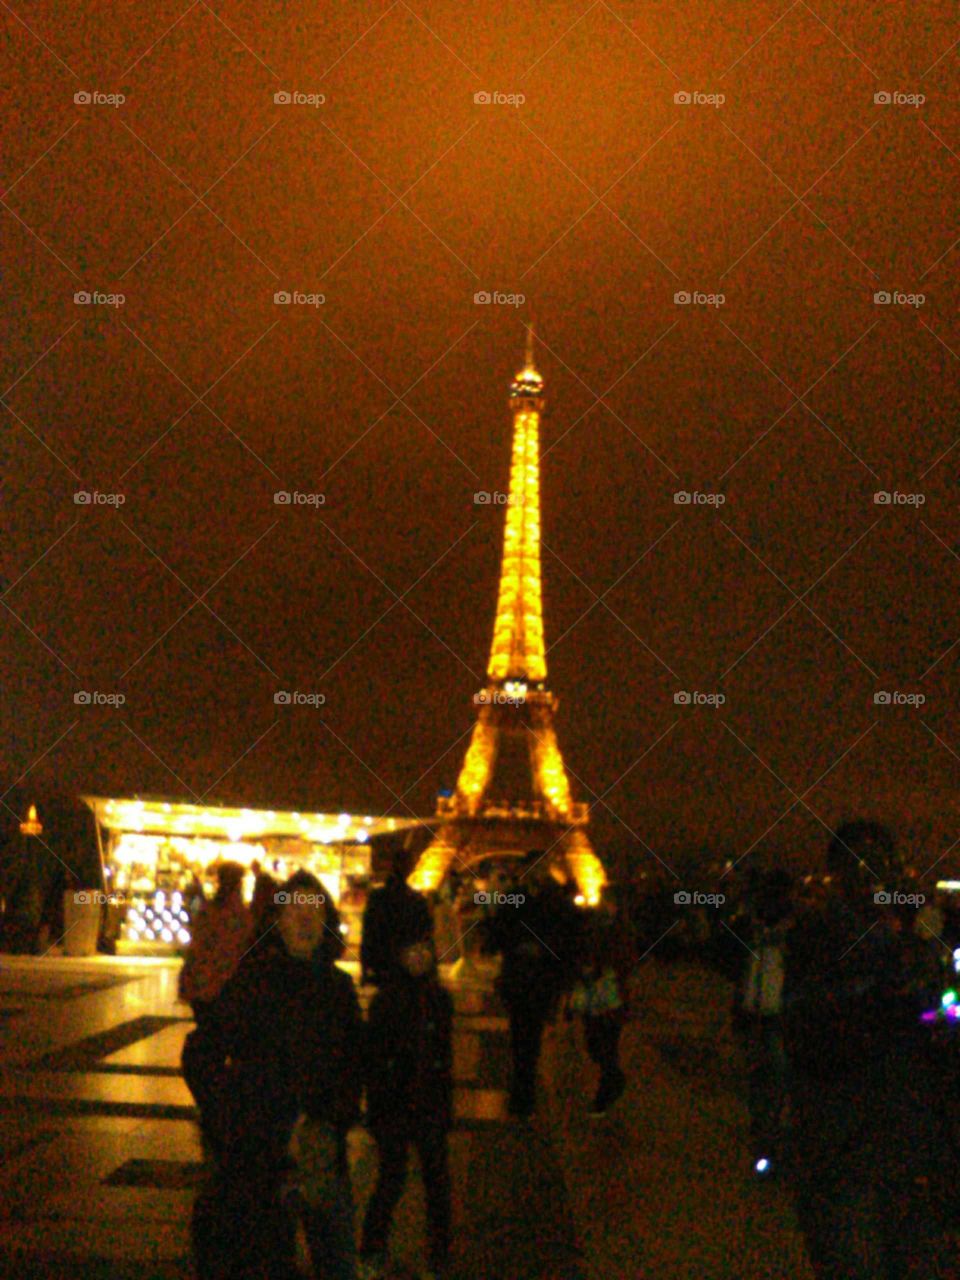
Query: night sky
{"type": "Point", "coordinates": [598, 199]}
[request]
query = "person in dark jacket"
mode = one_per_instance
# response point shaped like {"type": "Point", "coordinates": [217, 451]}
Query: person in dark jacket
{"type": "Point", "coordinates": [289, 1032]}
{"type": "Point", "coordinates": [409, 1079]}
{"type": "Point", "coordinates": [537, 938]}
{"type": "Point", "coordinates": [870, 1096]}
{"type": "Point", "coordinates": [393, 911]}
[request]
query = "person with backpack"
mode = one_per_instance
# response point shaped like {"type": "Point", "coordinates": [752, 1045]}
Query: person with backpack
{"type": "Point", "coordinates": [871, 1158]}
{"type": "Point", "coordinates": [601, 995]}
{"type": "Point", "coordinates": [285, 1089]}
{"type": "Point", "coordinates": [537, 937]}
{"type": "Point", "coordinates": [409, 1081]}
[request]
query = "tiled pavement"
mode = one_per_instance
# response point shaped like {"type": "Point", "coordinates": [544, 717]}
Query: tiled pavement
{"type": "Point", "coordinates": [99, 1154]}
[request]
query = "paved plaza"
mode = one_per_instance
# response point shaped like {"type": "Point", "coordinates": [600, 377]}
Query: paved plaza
{"type": "Point", "coordinates": [100, 1156]}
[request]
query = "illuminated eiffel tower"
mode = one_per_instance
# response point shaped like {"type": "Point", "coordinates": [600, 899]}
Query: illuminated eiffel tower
{"type": "Point", "coordinates": [513, 793]}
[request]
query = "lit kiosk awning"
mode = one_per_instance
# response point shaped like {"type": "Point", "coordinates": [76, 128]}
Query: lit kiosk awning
{"type": "Point", "coordinates": [152, 848]}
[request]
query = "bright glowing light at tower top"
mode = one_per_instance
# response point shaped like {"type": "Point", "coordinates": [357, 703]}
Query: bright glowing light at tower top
{"type": "Point", "coordinates": [527, 382]}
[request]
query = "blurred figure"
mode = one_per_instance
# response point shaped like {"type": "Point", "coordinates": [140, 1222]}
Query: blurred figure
{"type": "Point", "coordinates": [601, 994]}
{"type": "Point", "coordinates": [263, 904]}
{"type": "Point", "coordinates": [871, 1163]}
{"type": "Point", "coordinates": [758, 1010]}
{"type": "Point", "coordinates": [287, 1072]}
{"type": "Point", "coordinates": [409, 1075]}
{"type": "Point", "coordinates": [395, 910]}
{"type": "Point", "coordinates": [222, 934]}
{"type": "Point", "coordinates": [538, 941]}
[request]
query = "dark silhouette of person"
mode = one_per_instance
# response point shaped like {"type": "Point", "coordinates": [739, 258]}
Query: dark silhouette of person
{"type": "Point", "coordinates": [394, 911]}
{"type": "Point", "coordinates": [538, 939]}
{"type": "Point", "coordinates": [871, 1155]}
{"type": "Point", "coordinates": [409, 1079]}
{"type": "Point", "coordinates": [288, 1068]}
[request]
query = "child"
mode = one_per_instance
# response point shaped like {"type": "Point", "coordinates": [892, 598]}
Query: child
{"type": "Point", "coordinates": [409, 1079]}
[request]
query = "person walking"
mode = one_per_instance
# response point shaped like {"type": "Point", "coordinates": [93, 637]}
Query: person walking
{"type": "Point", "coordinates": [537, 937]}
{"type": "Point", "coordinates": [222, 933]}
{"type": "Point", "coordinates": [409, 1080]}
{"type": "Point", "coordinates": [601, 996]}
{"type": "Point", "coordinates": [394, 910]}
{"type": "Point", "coordinates": [871, 1155]}
{"type": "Point", "coordinates": [763, 929]}
{"type": "Point", "coordinates": [287, 1076]}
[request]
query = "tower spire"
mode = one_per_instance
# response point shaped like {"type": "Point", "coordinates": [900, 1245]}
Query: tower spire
{"type": "Point", "coordinates": [531, 336]}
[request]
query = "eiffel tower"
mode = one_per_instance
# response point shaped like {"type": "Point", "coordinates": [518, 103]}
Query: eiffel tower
{"type": "Point", "coordinates": [513, 793]}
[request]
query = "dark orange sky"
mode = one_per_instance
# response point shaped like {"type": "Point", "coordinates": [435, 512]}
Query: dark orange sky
{"type": "Point", "coordinates": [598, 197]}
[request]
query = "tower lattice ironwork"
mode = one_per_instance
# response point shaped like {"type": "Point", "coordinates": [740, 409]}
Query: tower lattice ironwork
{"type": "Point", "coordinates": [513, 793]}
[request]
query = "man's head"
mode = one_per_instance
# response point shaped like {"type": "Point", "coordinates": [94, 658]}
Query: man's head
{"type": "Point", "coordinates": [403, 863]}
{"type": "Point", "coordinates": [229, 879]}
{"type": "Point", "coordinates": [302, 915]}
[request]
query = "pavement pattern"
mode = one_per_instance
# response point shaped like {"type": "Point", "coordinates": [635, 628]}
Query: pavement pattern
{"type": "Point", "coordinates": [100, 1159]}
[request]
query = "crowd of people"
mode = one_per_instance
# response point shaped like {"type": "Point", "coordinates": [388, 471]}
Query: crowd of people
{"type": "Point", "coordinates": [846, 1081]}
{"type": "Point", "coordinates": [280, 1057]}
